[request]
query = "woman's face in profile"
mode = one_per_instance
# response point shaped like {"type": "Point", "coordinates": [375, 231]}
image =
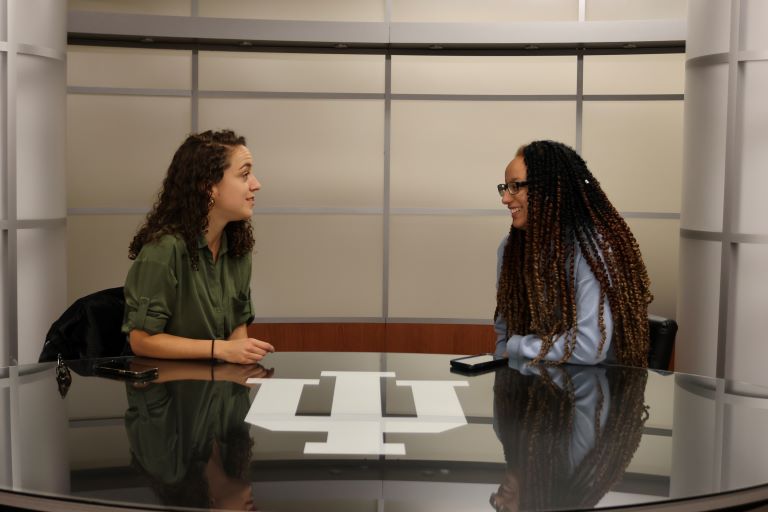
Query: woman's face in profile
{"type": "Point", "coordinates": [234, 194]}
{"type": "Point", "coordinates": [516, 203]}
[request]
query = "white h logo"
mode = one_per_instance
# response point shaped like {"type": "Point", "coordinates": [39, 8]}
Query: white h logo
{"type": "Point", "coordinates": [356, 425]}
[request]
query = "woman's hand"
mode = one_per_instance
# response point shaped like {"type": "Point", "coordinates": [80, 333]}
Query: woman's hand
{"type": "Point", "coordinates": [241, 350]}
{"type": "Point", "coordinates": [240, 373]}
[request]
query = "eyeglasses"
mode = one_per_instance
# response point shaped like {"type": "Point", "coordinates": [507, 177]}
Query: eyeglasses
{"type": "Point", "coordinates": [513, 187]}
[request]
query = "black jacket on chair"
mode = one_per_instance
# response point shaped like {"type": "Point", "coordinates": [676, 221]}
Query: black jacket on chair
{"type": "Point", "coordinates": [89, 328]}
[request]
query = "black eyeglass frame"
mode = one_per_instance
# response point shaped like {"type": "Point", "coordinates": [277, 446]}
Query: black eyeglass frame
{"type": "Point", "coordinates": [513, 187]}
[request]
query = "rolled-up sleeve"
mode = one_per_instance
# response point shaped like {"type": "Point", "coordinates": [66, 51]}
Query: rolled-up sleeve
{"type": "Point", "coordinates": [242, 306]}
{"type": "Point", "coordinates": [150, 296]}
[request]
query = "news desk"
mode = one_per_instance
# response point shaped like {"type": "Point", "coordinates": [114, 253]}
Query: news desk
{"type": "Point", "coordinates": [379, 432]}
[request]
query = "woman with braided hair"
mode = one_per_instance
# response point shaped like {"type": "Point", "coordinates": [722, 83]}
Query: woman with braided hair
{"type": "Point", "coordinates": [568, 433]}
{"type": "Point", "coordinates": [572, 285]}
{"type": "Point", "coordinates": [187, 294]}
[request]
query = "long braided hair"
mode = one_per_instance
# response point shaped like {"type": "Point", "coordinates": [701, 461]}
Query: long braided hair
{"type": "Point", "coordinates": [185, 197]}
{"type": "Point", "coordinates": [535, 420]}
{"type": "Point", "coordinates": [567, 210]}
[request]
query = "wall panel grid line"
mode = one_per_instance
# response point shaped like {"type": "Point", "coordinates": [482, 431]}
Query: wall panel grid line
{"type": "Point", "coordinates": [731, 238]}
{"type": "Point", "coordinates": [732, 179]}
{"type": "Point", "coordinates": [723, 58]}
{"type": "Point", "coordinates": [470, 212]}
{"type": "Point", "coordinates": [10, 175]}
{"type": "Point", "coordinates": [194, 108]}
{"type": "Point", "coordinates": [33, 50]}
{"type": "Point", "coordinates": [579, 94]}
{"type": "Point", "coordinates": [127, 91]}
{"type": "Point", "coordinates": [33, 224]}
{"type": "Point", "coordinates": [40, 51]}
{"type": "Point", "coordinates": [124, 91]}
{"type": "Point", "coordinates": [387, 182]}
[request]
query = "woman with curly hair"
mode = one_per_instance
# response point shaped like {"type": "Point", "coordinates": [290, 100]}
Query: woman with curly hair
{"type": "Point", "coordinates": [187, 294]}
{"type": "Point", "coordinates": [572, 285]}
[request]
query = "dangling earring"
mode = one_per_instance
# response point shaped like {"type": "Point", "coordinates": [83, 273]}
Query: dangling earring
{"type": "Point", "coordinates": [211, 202]}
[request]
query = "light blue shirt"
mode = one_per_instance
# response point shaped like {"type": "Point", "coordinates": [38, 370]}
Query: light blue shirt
{"type": "Point", "coordinates": [590, 391]}
{"type": "Point", "coordinates": [521, 345]}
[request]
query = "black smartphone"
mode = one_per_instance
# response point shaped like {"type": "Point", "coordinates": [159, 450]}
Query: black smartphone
{"type": "Point", "coordinates": [477, 363]}
{"type": "Point", "coordinates": [126, 369]}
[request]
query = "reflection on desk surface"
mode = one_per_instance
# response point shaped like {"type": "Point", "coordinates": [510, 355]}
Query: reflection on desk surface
{"type": "Point", "coordinates": [365, 431]}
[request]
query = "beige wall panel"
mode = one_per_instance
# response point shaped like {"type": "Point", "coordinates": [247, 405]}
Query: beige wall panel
{"type": "Point", "coordinates": [3, 124]}
{"type": "Point", "coordinates": [705, 119]}
{"type": "Point", "coordinates": [164, 7]}
{"type": "Point", "coordinates": [119, 148]}
{"type": "Point", "coordinates": [291, 72]}
{"type": "Point", "coordinates": [434, 74]}
{"type": "Point", "coordinates": [744, 460]}
{"type": "Point", "coordinates": [42, 284]}
{"type": "Point", "coordinates": [708, 27]}
{"type": "Point", "coordinates": [635, 150]}
{"type": "Point", "coordinates": [92, 66]}
{"type": "Point", "coordinates": [97, 252]}
{"type": "Point", "coordinates": [659, 241]}
{"type": "Point", "coordinates": [634, 74]}
{"type": "Point", "coordinates": [317, 266]}
{"type": "Point", "coordinates": [315, 10]}
{"type": "Point", "coordinates": [451, 154]}
{"type": "Point", "coordinates": [444, 266]}
{"type": "Point", "coordinates": [40, 23]}
{"type": "Point", "coordinates": [698, 307]}
{"type": "Point", "coordinates": [751, 206]}
{"type": "Point", "coordinates": [748, 322]}
{"type": "Point", "coordinates": [40, 139]}
{"type": "Point", "coordinates": [308, 153]}
{"type": "Point", "coordinates": [752, 30]}
{"type": "Point", "coordinates": [606, 10]}
{"type": "Point", "coordinates": [484, 10]}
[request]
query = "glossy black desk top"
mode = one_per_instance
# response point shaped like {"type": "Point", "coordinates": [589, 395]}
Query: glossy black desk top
{"type": "Point", "coordinates": [392, 432]}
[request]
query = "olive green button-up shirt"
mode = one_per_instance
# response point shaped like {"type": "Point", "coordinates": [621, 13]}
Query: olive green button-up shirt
{"type": "Point", "coordinates": [164, 294]}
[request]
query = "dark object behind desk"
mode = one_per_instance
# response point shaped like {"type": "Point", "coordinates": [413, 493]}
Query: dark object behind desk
{"type": "Point", "coordinates": [89, 328]}
{"type": "Point", "coordinates": [662, 332]}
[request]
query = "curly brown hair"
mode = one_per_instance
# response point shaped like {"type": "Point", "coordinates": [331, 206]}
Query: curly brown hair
{"type": "Point", "coordinates": [184, 199]}
{"type": "Point", "coordinates": [567, 209]}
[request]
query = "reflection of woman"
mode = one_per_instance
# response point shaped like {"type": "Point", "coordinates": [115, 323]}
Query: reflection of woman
{"type": "Point", "coordinates": [568, 433]}
{"type": "Point", "coordinates": [189, 286]}
{"type": "Point", "coordinates": [572, 285]}
{"type": "Point", "coordinates": [189, 437]}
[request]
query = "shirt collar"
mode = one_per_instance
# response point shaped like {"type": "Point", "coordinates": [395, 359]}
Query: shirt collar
{"type": "Point", "coordinates": [202, 244]}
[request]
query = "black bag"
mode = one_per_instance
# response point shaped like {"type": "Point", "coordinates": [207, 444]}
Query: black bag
{"type": "Point", "coordinates": [89, 328]}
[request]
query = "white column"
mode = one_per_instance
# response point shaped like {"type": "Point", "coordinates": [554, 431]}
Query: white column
{"type": "Point", "coordinates": [724, 217]}
{"type": "Point", "coordinates": [32, 174]}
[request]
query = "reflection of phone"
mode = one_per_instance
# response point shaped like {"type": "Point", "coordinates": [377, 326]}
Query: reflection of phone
{"type": "Point", "coordinates": [126, 369]}
{"type": "Point", "coordinates": [477, 363]}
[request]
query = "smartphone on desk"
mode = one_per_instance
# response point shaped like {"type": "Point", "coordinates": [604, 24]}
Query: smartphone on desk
{"type": "Point", "coordinates": [478, 363]}
{"type": "Point", "coordinates": [126, 369]}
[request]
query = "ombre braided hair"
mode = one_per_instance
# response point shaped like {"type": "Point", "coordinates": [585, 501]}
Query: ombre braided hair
{"type": "Point", "coordinates": [185, 198]}
{"type": "Point", "coordinates": [535, 420]}
{"type": "Point", "coordinates": [567, 210]}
